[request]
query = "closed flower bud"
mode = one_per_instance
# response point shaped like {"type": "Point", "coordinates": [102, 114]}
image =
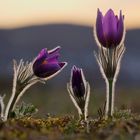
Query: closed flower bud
{"type": "Point", "coordinates": [79, 91]}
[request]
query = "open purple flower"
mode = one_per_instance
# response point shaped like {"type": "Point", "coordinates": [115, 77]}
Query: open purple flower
{"type": "Point", "coordinates": [47, 65]}
{"type": "Point", "coordinates": [109, 28]}
{"type": "Point", "coordinates": [109, 35]}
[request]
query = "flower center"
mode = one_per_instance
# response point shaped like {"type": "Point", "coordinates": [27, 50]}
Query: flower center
{"type": "Point", "coordinates": [44, 62]}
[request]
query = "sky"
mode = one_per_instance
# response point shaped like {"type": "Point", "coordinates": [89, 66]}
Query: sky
{"type": "Point", "coordinates": [19, 13]}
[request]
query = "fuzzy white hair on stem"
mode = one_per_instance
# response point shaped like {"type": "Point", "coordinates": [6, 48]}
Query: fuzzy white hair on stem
{"type": "Point", "coordinates": [23, 79]}
{"type": "Point", "coordinates": [2, 107]}
{"type": "Point", "coordinates": [87, 97]}
{"type": "Point", "coordinates": [109, 63]}
{"type": "Point", "coordinates": [70, 91]}
{"type": "Point", "coordinates": [81, 103]}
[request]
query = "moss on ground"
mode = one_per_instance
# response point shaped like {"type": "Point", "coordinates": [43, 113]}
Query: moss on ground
{"type": "Point", "coordinates": [124, 125]}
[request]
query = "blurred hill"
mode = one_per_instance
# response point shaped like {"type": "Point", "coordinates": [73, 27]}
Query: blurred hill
{"type": "Point", "coordinates": [77, 49]}
{"type": "Point", "coordinates": [78, 46]}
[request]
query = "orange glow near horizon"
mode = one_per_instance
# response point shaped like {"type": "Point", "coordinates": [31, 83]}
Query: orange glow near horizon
{"type": "Point", "coordinates": [18, 13]}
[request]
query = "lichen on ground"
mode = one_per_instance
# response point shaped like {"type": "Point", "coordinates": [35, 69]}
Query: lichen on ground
{"type": "Point", "coordinates": [124, 125]}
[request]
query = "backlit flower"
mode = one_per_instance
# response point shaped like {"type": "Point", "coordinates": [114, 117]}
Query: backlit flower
{"type": "Point", "coordinates": [47, 64]}
{"type": "Point", "coordinates": [109, 28]}
{"type": "Point", "coordinates": [78, 82]}
{"type": "Point", "coordinates": [79, 91]}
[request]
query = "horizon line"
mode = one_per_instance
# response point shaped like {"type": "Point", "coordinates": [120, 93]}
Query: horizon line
{"type": "Point", "coordinates": [54, 23]}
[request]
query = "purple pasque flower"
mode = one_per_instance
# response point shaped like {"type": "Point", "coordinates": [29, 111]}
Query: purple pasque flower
{"type": "Point", "coordinates": [109, 28]}
{"type": "Point", "coordinates": [79, 91]}
{"type": "Point", "coordinates": [47, 65]}
{"type": "Point", "coordinates": [78, 82]}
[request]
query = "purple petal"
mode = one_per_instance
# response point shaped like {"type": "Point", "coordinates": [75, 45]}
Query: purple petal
{"type": "Point", "coordinates": [77, 82]}
{"type": "Point", "coordinates": [41, 57]}
{"type": "Point", "coordinates": [46, 70]}
{"type": "Point", "coordinates": [120, 28]}
{"type": "Point", "coordinates": [110, 28]}
{"type": "Point", "coordinates": [55, 50]}
{"type": "Point", "coordinates": [53, 55]}
{"type": "Point", "coordinates": [117, 20]}
{"type": "Point", "coordinates": [52, 58]}
{"type": "Point", "coordinates": [99, 28]}
{"type": "Point", "coordinates": [62, 64]}
{"type": "Point", "coordinates": [43, 53]}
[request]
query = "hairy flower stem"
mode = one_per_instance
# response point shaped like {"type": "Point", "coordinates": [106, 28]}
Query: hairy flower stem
{"type": "Point", "coordinates": [82, 115]}
{"type": "Point", "coordinates": [15, 98]}
{"type": "Point", "coordinates": [109, 98]}
{"type": "Point", "coordinates": [23, 79]}
{"type": "Point", "coordinates": [11, 106]}
{"type": "Point", "coordinates": [2, 107]}
{"type": "Point", "coordinates": [109, 62]}
{"type": "Point", "coordinates": [10, 102]}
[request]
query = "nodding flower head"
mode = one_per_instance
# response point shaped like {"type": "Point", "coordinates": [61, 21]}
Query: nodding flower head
{"type": "Point", "coordinates": [46, 65]}
{"type": "Point", "coordinates": [78, 82]}
{"type": "Point", "coordinates": [109, 29]}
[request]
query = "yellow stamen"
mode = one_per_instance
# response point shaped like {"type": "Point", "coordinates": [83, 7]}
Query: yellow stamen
{"type": "Point", "coordinates": [44, 62]}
